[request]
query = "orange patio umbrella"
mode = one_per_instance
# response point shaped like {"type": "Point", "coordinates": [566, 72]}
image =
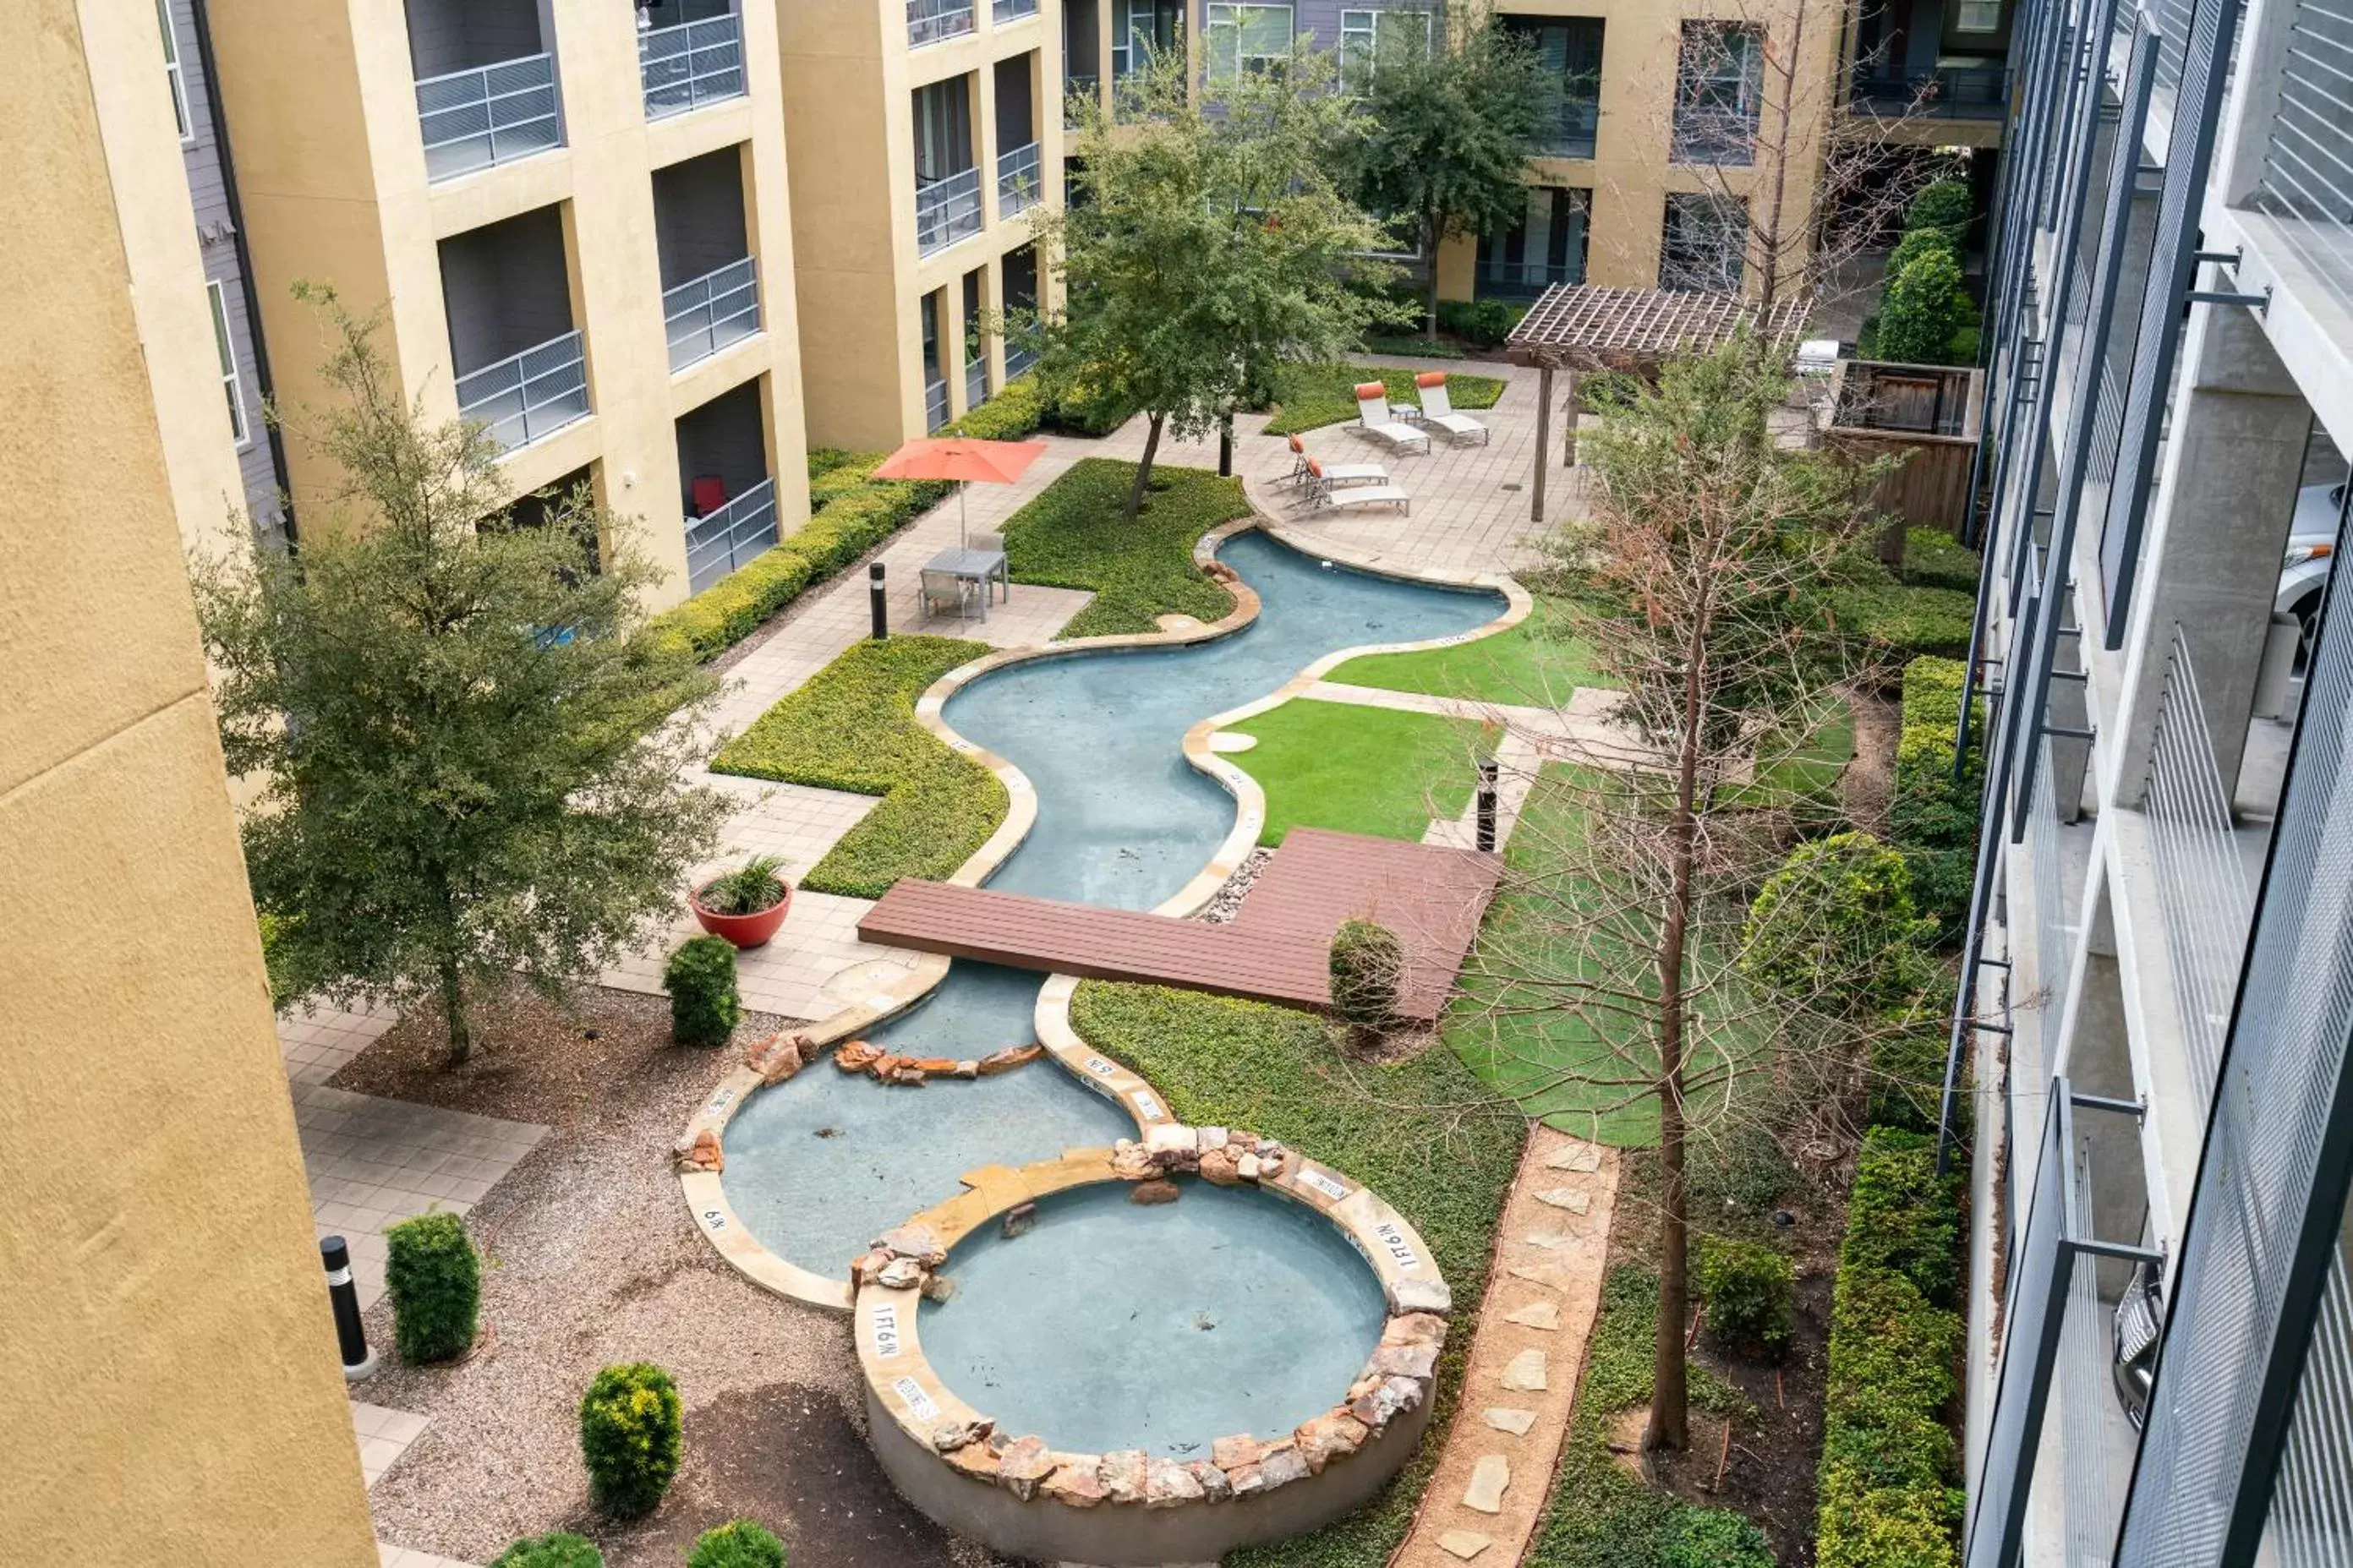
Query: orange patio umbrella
{"type": "Point", "coordinates": [963, 459]}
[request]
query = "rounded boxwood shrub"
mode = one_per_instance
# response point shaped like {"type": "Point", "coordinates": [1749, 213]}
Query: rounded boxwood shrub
{"type": "Point", "coordinates": [435, 1280]}
{"type": "Point", "coordinates": [1715, 1538]}
{"type": "Point", "coordinates": [630, 1433]}
{"type": "Point", "coordinates": [1924, 305]}
{"type": "Point", "coordinates": [1835, 928]}
{"type": "Point", "coordinates": [554, 1550]}
{"type": "Point", "coordinates": [1368, 968]}
{"type": "Point", "coordinates": [705, 1006]}
{"type": "Point", "coordinates": [1746, 1288]}
{"type": "Point", "coordinates": [738, 1543]}
{"type": "Point", "coordinates": [1944, 205]}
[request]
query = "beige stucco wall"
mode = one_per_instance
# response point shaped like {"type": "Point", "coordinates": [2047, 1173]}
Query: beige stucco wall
{"type": "Point", "coordinates": [167, 1361]}
{"type": "Point", "coordinates": [331, 164]}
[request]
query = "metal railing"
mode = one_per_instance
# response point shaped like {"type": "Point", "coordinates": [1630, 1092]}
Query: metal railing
{"type": "Point", "coordinates": [1953, 92]}
{"type": "Point", "coordinates": [2308, 164]}
{"type": "Point", "coordinates": [529, 394]}
{"type": "Point", "coordinates": [932, 21]}
{"type": "Point", "coordinates": [1089, 87]}
{"type": "Point", "coordinates": [692, 64]}
{"type": "Point", "coordinates": [707, 313]}
{"type": "Point", "coordinates": [486, 115]}
{"type": "Point", "coordinates": [936, 404]}
{"type": "Point", "coordinates": [2202, 883]}
{"type": "Point", "coordinates": [1524, 276]}
{"type": "Point", "coordinates": [1012, 10]}
{"type": "Point", "coordinates": [1572, 130]}
{"type": "Point", "coordinates": [1723, 137]}
{"type": "Point", "coordinates": [975, 380]}
{"type": "Point", "coordinates": [947, 210]}
{"type": "Point", "coordinates": [719, 541]}
{"type": "Point", "coordinates": [1017, 180]}
{"type": "Point", "coordinates": [1018, 360]}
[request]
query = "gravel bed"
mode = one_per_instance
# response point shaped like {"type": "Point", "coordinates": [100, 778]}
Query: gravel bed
{"type": "Point", "coordinates": [590, 1258]}
{"type": "Point", "coordinates": [1227, 902]}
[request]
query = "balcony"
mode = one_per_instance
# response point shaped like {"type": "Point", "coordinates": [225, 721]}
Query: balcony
{"type": "Point", "coordinates": [1016, 180]}
{"type": "Point", "coordinates": [683, 67]}
{"type": "Point", "coordinates": [1076, 86]}
{"type": "Point", "coordinates": [1573, 135]}
{"type": "Point", "coordinates": [1722, 138]}
{"type": "Point", "coordinates": [706, 314]}
{"type": "Point", "coordinates": [730, 536]}
{"type": "Point", "coordinates": [936, 404]}
{"type": "Point", "coordinates": [947, 211]}
{"type": "Point", "coordinates": [1004, 11]}
{"type": "Point", "coordinates": [486, 115]}
{"type": "Point", "coordinates": [531, 395]}
{"type": "Point", "coordinates": [975, 376]}
{"type": "Point", "coordinates": [936, 21]}
{"type": "Point", "coordinates": [1946, 93]}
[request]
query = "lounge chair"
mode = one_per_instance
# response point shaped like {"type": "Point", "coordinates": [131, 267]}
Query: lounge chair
{"type": "Point", "coordinates": [1376, 419]}
{"type": "Point", "coordinates": [1302, 465]}
{"type": "Point", "coordinates": [1323, 491]}
{"type": "Point", "coordinates": [1438, 408]}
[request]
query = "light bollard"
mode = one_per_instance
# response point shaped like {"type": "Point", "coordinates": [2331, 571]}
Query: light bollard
{"type": "Point", "coordinates": [349, 1334]}
{"type": "Point", "coordinates": [877, 602]}
{"type": "Point", "coordinates": [1485, 830]}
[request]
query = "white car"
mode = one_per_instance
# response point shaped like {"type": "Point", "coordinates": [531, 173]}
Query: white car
{"type": "Point", "coordinates": [2311, 550]}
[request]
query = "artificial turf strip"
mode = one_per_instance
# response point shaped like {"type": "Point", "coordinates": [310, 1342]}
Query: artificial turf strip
{"type": "Point", "coordinates": [1536, 664]}
{"type": "Point", "coordinates": [1073, 536]}
{"type": "Point", "coordinates": [1310, 397]}
{"type": "Point", "coordinates": [1375, 771]}
{"type": "Point", "coordinates": [1422, 1133]}
{"type": "Point", "coordinates": [852, 726]}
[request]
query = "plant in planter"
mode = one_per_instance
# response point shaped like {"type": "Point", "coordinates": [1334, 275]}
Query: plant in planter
{"type": "Point", "coordinates": [704, 1005]}
{"type": "Point", "coordinates": [747, 904]}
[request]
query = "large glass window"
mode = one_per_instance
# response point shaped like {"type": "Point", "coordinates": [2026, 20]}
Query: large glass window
{"type": "Point", "coordinates": [943, 129]}
{"type": "Point", "coordinates": [1247, 39]}
{"type": "Point", "coordinates": [1719, 77]}
{"type": "Point", "coordinates": [1364, 34]}
{"type": "Point", "coordinates": [1140, 28]}
{"type": "Point", "coordinates": [171, 71]}
{"type": "Point", "coordinates": [1705, 248]}
{"type": "Point", "coordinates": [1571, 46]}
{"type": "Point", "coordinates": [230, 382]}
{"type": "Point", "coordinates": [1545, 246]}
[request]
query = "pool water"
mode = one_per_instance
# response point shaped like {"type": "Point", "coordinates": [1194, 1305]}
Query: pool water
{"type": "Point", "coordinates": [1163, 1327]}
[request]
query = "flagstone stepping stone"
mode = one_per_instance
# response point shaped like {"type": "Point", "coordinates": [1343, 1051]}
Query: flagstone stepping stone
{"type": "Point", "coordinates": [1534, 1315]}
{"type": "Point", "coordinates": [1567, 1198]}
{"type": "Point", "coordinates": [1549, 1240]}
{"type": "Point", "coordinates": [1503, 1418]}
{"type": "Point", "coordinates": [1526, 1373]}
{"type": "Point", "coordinates": [1489, 1477]}
{"type": "Point", "coordinates": [1551, 1275]}
{"type": "Point", "coordinates": [1576, 1157]}
{"type": "Point", "coordinates": [1464, 1543]}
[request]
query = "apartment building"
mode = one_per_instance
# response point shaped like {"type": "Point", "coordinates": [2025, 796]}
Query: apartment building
{"type": "Point", "coordinates": [2154, 1001]}
{"type": "Point", "coordinates": [921, 131]}
{"type": "Point", "coordinates": [573, 217]}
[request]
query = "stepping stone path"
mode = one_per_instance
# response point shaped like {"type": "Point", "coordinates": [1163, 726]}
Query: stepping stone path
{"type": "Point", "coordinates": [1491, 1486]}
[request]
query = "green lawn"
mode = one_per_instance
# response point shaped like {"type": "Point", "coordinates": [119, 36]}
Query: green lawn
{"type": "Point", "coordinates": [1073, 536]}
{"type": "Point", "coordinates": [852, 727]}
{"type": "Point", "coordinates": [1424, 1134]}
{"type": "Point", "coordinates": [1536, 664]}
{"type": "Point", "coordinates": [1374, 770]}
{"type": "Point", "coordinates": [1310, 397]}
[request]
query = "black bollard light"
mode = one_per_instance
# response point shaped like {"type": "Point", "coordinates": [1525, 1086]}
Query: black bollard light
{"type": "Point", "coordinates": [881, 605]}
{"type": "Point", "coordinates": [358, 1360]}
{"type": "Point", "coordinates": [1486, 818]}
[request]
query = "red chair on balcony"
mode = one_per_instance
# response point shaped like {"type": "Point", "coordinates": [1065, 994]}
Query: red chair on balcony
{"type": "Point", "coordinates": [707, 493]}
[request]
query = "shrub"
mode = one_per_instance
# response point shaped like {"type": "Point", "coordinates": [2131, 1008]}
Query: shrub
{"type": "Point", "coordinates": [1907, 1081]}
{"type": "Point", "coordinates": [1934, 817]}
{"type": "Point", "coordinates": [738, 1543]}
{"type": "Point", "coordinates": [1916, 243]}
{"type": "Point", "coordinates": [554, 1550]}
{"type": "Point", "coordinates": [749, 889]}
{"type": "Point", "coordinates": [1748, 1288]}
{"type": "Point", "coordinates": [1080, 408]}
{"type": "Point", "coordinates": [1016, 410]}
{"type": "Point", "coordinates": [629, 1438]}
{"type": "Point", "coordinates": [1313, 395]}
{"type": "Point", "coordinates": [1367, 967]}
{"type": "Point", "coordinates": [1835, 927]}
{"type": "Point", "coordinates": [1924, 305]}
{"type": "Point", "coordinates": [1741, 1168]}
{"type": "Point", "coordinates": [435, 1280]}
{"type": "Point", "coordinates": [274, 949]}
{"type": "Point", "coordinates": [705, 1006]}
{"type": "Point", "coordinates": [1715, 1538]}
{"type": "Point", "coordinates": [1934, 559]}
{"type": "Point", "coordinates": [1902, 1216]}
{"type": "Point", "coordinates": [1485, 322]}
{"type": "Point", "coordinates": [1887, 615]}
{"type": "Point", "coordinates": [1946, 207]}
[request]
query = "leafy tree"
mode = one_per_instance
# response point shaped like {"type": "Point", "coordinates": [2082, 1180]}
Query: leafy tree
{"type": "Point", "coordinates": [1450, 125]}
{"type": "Point", "coordinates": [1203, 244]}
{"type": "Point", "coordinates": [1923, 307]}
{"type": "Point", "coordinates": [1944, 207]}
{"type": "Point", "coordinates": [468, 768]}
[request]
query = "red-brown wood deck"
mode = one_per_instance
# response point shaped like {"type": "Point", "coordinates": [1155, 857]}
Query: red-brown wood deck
{"type": "Point", "coordinates": [1277, 949]}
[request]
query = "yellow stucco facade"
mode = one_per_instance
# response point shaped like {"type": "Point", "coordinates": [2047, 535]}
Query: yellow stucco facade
{"type": "Point", "coordinates": [168, 1361]}
{"type": "Point", "coordinates": [331, 161]}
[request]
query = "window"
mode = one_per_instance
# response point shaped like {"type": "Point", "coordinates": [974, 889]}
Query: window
{"type": "Point", "coordinates": [1570, 48]}
{"type": "Point", "coordinates": [171, 71]}
{"type": "Point", "coordinates": [1546, 245]}
{"type": "Point", "coordinates": [1247, 39]}
{"type": "Point", "coordinates": [1718, 78]}
{"type": "Point", "coordinates": [1978, 17]}
{"type": "Point", "coordinates": [1364, 34]}
{"type": "Point", "coordinates": [1704, 246]}
{"type": "Point", "coordinates": [1141, 27]}
{"type": "Point", "coordinates": [228, 347]}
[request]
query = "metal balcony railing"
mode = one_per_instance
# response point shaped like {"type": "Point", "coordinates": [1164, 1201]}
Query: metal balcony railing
{"type": "Point", "coordinates": [719, 541]}
{"type": "Point", "coordinates": [486, 115]}
{"type": "Point", "coordinates": [1012, 10]}
{"type": "Point", "coordinates": [1574, 131]}
{"type": "Point", "coordinates": [707, 313]}
{"type": "Point", "coordinates": [1018, 360]}
{"type": "Point", "coordinates": [946, 211]}
{"type": "Point", "coordinates": [1723, 137]}
{"type": "Point", "coordinates": [692, 64]}
{"type": "Point", "coordinates": [530, 394]}
{"type": "Point", "coordinates": [1017, 180]}
{"type": "Point", "coordinates": [975, 379]}
{"type": "Point", "coordinates": [2308, 162]}
{"type": "Point", "coordinates": [1947, 93]}
{"type": "Point", "coordinates": [1089, 87]}
{"type": "Point", "coordinates": [930, 21]}
{"type": "Point", "coordinates": [936, 404]}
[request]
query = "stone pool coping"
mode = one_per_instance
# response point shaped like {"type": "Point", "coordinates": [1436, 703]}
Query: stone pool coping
{"type": "Point", "coordinates": [890, 992]}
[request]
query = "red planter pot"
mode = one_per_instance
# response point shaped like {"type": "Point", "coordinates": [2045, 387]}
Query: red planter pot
{"type": "Point", "coordinates": [743, 931]}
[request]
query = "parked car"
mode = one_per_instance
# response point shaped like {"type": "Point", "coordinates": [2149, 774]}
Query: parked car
{"type": "Point", "coordinates": [2311, 550]}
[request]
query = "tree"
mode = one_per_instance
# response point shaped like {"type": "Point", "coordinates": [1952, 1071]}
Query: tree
{"type": "Point", "coordinates": [1923, 307]}
{"type": "Point", "coordinates": [1449, 128]}
{"type": "Point", "coordinates": [1620, 932]}
{"type": "Point", "coordinates": [468, 768]}
{"type": "Point", "coordinates": [1202, 246]}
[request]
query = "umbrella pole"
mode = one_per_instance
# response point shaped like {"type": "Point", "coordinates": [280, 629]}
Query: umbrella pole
{"type": "Point", "coordinates": [963, 532]}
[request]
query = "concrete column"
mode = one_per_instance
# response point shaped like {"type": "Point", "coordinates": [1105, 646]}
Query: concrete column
{"type": "Point", "coordinates": [2217, 527]}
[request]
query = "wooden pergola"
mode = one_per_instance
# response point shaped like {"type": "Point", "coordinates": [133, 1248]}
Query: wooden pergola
{"type": "Point", "coordinates": [1579, 327]}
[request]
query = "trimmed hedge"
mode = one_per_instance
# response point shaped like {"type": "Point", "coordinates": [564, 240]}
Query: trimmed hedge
{"type": "Point", "coordinates": [1311, 396]}
{"type": "Point", "coordinates": [1484, 322]}
{"type": "Point", "coordinates": [1074, 536]}
{"type": "Point", "coordinates": [852, 726]}
{"type": "Point", "coordinates": [1934, 559]}
{"type": "Point", "coordinates": [1904, 1218]}
{"type": "Point", "coordinates": [1893, 617]}
{"type": "Point", "coordinates": [1933, 816]}
{"type": "Point", "coordinates": [630, 1434]}
{"type": "Point", "coordinates": [435, 1280]}
{"type": "Point", "coordinates": [704, 1005]}
{"type": "Point", "coordinates": [554, 1550]}
{"type": "Point", "coordinates": [1835, 926]}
